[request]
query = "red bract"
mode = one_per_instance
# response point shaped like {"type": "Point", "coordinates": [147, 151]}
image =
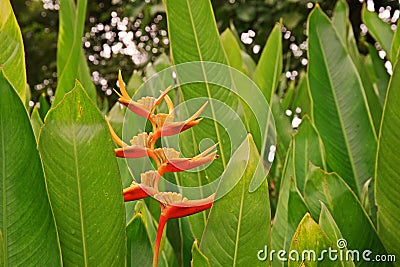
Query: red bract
{"type": "Point", "coordinates": [174, 205]}
{"type": "Point", "coordinates": [147, 187]}
{"type": "Point", "coordinates": [171, 162]}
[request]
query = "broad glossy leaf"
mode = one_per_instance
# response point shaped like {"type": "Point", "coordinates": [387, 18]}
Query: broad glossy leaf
{"type": "Point", "coordinates": [83, 182]}
{"type": "Point", "coordinates": [140, 251]}
{"type": "Point", "coordinates": [71, 62]}
{"type": "Point", "coordinates": [194, 36]}
{"type": "Point", "coordinates": [309, 237]}
{"type": "Point", "coordinates": [12, 55]}
{"type": "Point", "coordinates": [387, 176]}
{"type": "Point", "coordinates": [26, 221]}
{"type": "Point", "coordinates": [239, 222]}
{"type": "Point", "coordinates": [340, 109]}
{"type": "Point", "coordinates": [379, 29]}
{"type": "Point", "coordinates": [331, 229]}
{"type": "Point", "coordinates": [345, 207]}
{"type": "Point", "coordinates": [374, 104]}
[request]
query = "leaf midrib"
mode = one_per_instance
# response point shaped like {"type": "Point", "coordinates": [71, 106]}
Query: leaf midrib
{"type": "Point", "coordinates": [76, 158]}
{"type": "Point", "coordinates": [239, 224]}
{"type": "Point", "coordinates": [206, 84]}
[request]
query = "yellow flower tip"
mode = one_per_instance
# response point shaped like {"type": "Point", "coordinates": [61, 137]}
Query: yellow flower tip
{"type": "Point", "coordinates": [160, 98]}
{"type": "Point", "coordinates": [195, 115]}
{"type": "Point", "coordinates": [114, 136]}
{"type": "Point", "coordinates": [121, 85]}
{"type": "Point", "coordinates": [170, 105]}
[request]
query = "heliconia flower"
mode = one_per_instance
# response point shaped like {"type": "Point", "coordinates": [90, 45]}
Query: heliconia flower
{"type": "Point", "coordinates": [147, 187]}
{"type": "Point", "coordinates": [140, 147]}
{"type": "Point", "coordinates": [145, 106]}
{"type": "Point", "coordinates": [167, 127]}
{"type": "Point", "coordinates": [171, 162]}
{"type": "Point", "coordinates": [174, 205]}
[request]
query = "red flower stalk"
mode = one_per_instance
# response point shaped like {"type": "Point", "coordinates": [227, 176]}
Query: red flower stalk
{"type": "Point", "coordinates": [147, 187]}
{"type": "Point", "coordinates": [173, 205]}
{"type": "Point", "coordinates": [170, 161]}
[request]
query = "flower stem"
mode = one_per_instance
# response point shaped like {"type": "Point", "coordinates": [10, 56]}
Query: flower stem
{"type": "Point", "coordinates": [163, 220]}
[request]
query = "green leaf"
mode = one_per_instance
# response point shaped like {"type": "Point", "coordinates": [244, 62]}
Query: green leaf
{"type": "Point", "coordinates": [340, 108]}
{"type": "Point", "coordinates": [379, 29]}
{"type": "Point", "coordinates": [302, 96]}
{"type": "Point", "coordinates": [71, 62]}
{"type": "Point", "coordinates": [339, 19]}
{"type": "Point", "coordinates": [290, 210]}
{"type": "Point", "coordinates": [381, 75]}
{"type": "Point", "coordinates": [36, 122]}
{"type": "Point", "coordinates": [83, 182]}
{"type": "Point", "coordinates": [367, 81]}
{"type": "Point", "coordinates": [199, 259]}
{"type": "Point", "coordinates": [44, 106]}
{"type": "Point", "coordinates": [12, 55]}
{"type": "Point", "coordinates": [140, 251]}
{"type": "Point", "coordinates": [194, 36]}
{"type": "Point", "coordinates": [269, 68]}
{"type": "Point", "coordinates": [27, 224]}
{"type": "Point", "coordinates": [238, 216]}
{"type": "Point", "coordinates": [309, 237]}
{"type": "Point", "coordinates": [387, 176]}
{"type": "Point", "coordinates": [329, 226]}
{"type": "Point", "coordinates": [395, 46]}
{"type": "Point", "coordinates": [232, 50]}
{"type": "Point", "coordinates": [330, 189]}
{"type": "Point", "coordinates": [305, 147]}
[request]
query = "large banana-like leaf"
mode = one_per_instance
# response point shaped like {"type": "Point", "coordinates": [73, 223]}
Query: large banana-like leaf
{"type": "Point", "coordinates": [379, 29]}
{"type": "Point", "coordinates": [26, 221]}
{"type": "Point", "coordinates": [12, 55]}
{"type": "Point", "coordinates": [387, 176]}
{"type": "Point", "coordinates": [194, 37]}
{"type": "Point", "coordinates": [71, 62]}
{"type": "Point", "coordinates": [345, 208]}
{"type": "Point", "coordinates": [239, 221]}
{"type": "Point", "coordinates": [83, 182]}
{"type": "Point", "coordinates": [345, 31]}
{"type": "Point", "coordinates": [340, 109]}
